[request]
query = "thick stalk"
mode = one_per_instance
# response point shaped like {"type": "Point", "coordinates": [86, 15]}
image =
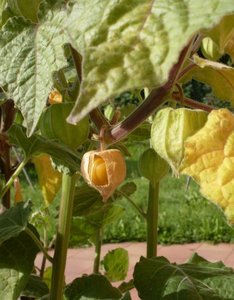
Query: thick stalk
{"type": "Point", "coordinates": [62, 238]}
{"type": "Point", "coordinates": [152, 219]}
{"type": "Point", "coordinates": [98, 246]}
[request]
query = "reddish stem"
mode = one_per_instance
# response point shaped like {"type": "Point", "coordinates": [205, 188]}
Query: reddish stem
{"type": "Point", "coordinates": [155, 99]}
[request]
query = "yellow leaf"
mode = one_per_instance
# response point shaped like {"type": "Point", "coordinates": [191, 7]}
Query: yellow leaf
{"type": "Point", "coordinates": [209, 159]}
{"type": "Point", "coordinates": [49, 178]}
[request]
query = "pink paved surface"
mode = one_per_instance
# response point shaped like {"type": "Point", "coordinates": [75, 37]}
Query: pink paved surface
{"type": "Point", "coordinates": [80, 261]}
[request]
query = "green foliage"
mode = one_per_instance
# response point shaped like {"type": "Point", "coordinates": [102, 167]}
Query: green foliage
{"type": "Point", "coordinates": [37, 144]}
{"type": "Point", "coordinates": [35, 287]}
{"type": "Point", "coordinates": [27, 9]}
{"type": "Point", "coordinates": [112, 31]}
{"type": "Point", "coordinates": [157, 278]}
{"type": "Point", "coordinates": [91, 287]}
{"type": "Point", "coordinates": [14, 221]}
{"type": "Point", "coordinates": [17, 256]}
{"type": "Point", "coordinates": [116, 264]}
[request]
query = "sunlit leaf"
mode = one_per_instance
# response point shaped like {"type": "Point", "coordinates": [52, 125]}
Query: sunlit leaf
{"type": "Point", "coordinates": [27, 9]}
{"type": "Point", "coordinates": [223, 35]}
{"type": "Point", "coordinates": [49, 179]}
{"type": "Point", "coordinates": [219, 76]}
{"type": "Point", "coordinates": [133, 44]}
{"type": "Point", "coordinates": [29, 54]}
{"type": "Point", "coordinates": [170, 129]}
{"type": "Point", "coordinates": [116, 264]}
{"type": "Point", "coordinates": [209, 159]}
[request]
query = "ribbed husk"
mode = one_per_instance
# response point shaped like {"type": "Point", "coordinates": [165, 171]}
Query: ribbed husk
{"type": "Point", "coordinates": [115, 168]}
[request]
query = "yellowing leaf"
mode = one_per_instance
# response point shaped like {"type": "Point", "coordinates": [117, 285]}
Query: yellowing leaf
{"type": "Point", "coordinates": [220, 77]}
{"type": "Point", "coordinates": [49, 178]}
{"type": "Point", "coordinates": [223, 35]}
{"type": "Point", "coordinates": [209, 159]}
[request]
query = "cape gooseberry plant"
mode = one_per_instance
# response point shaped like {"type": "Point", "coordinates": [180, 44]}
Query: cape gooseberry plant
{"type": "Point", "coordinates": [62, 63]}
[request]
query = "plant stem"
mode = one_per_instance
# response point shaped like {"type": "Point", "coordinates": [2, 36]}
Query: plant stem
{"type": "Point", "coordinates": [139, 210]}
{"type": "Point", "coordinates": [98, 246]}
{"type": "Point", "coordinates": [12, 178]}
{"type": "Point", "coordinates": [155, 99]}
{"type": "Point", "coordinates": [152, 219]}
{"type": "Point", "coordinates": [62, 238]}
{"type": "Point", "coordinates": [39, 244]}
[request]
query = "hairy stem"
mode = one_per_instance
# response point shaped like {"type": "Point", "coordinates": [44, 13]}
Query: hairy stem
{"type": "Point", "coordinates": [155, 99]}
{"type": "Point", "coordinates": [62, 238]}
{"type": "Point", "coordinates": [152, 219]}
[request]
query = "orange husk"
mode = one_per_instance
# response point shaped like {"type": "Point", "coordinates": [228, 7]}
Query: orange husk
{"type": "Point", "coordinates": [115, 169]}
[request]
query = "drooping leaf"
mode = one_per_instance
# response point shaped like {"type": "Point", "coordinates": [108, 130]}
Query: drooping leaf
{"type": "Point", "coordinates": [209, 159]}
{"type": "Point", "coordinates": [35, 287]}
{"type": "Point", "coordinates": [223, 284]}
{"type": "Point", "coordinates": [14, 220]}
{"type": "Point", "coordinates": [133, 44]}
{"type": "Point", "coordinates": [116, 264]}
{"type": "Point", "coordinates": [17, 257]}
{"type": "Point", "coordinates": [157, 278]}
{"type": "Point", "coordinates": [37, 144]}
{"type": "Point", "coordinates": [170, 129]}
{"type": "Point", "coordinates": [49, 178]}
{"type": "Point", "coordinates": [219, 76]}
{"type": "Point", "coordinates": [92, 287]}
{"type": "Point", "coordinates": [223, 35]}
{"type": "Point", "coordinates": [29, 54]}
{"type": "Point", "coordinates": [86, 200]}
{"type": "Point", "coordinates": [27, 9]}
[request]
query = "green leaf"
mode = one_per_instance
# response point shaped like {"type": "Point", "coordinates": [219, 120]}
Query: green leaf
{"type": "Point", "coordinates": [27, 9]}
{"type": "Point", "coordinates": [2, 7]}
{"type": "Point", "coordinates": [157, 278]}
{"type": "Point", "coordinates": [29, 54]}
{"type": "Point", "coordinates": [14, 220]}
{"type": "Point", "coordinates": [37, 144]}
{"type": "Point", "coordinates": [128, 188]}
{"type": "Point", "coordinates": [116, 263]}
{"type": "Point", "coordinates": [35, 287]}
{"type": "Point", "coordinates": [219, 76]}
{"type": "Point", "coordinates": [93, 287]}
{"type": "Point", "coordinates": [86, 200]}
{"type": "Point", "coordinates": [133, 44]}
{"type": "Point", "coordinates": [17, 257]}
{"type": "Point", "coordinates": [81, 230]}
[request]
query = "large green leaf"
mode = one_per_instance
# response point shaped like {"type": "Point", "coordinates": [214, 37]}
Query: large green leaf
{"type": "Point", "coordinates": [116, 264]}
{"type": "Point", "coordinates": [14, 220]}
{"type": "Point", "coordinates": [37, 144]}
{"type": "Point", "coordinates": [219, 76]}
{"type": "Point", "coordinates": [29, 54]}
{"type": "Point", "coordinates": [2, 6]}
{"type": "Point", "coordinates": [93, 287]}
{"type": "Point", "coordinates": [130, 44]}
{"type": "Point", "coordinates": [17, 257]}
{"type": "Point", "coordinates": [157, 278]}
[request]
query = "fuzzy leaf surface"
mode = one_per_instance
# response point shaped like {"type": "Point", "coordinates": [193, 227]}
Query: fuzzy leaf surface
{"type": "Point", "coordinates": [209, 159]}
{"type": "Point", "coordinates": [133, 44]}
{"type": "Point", "coordinates": [29, 54]}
